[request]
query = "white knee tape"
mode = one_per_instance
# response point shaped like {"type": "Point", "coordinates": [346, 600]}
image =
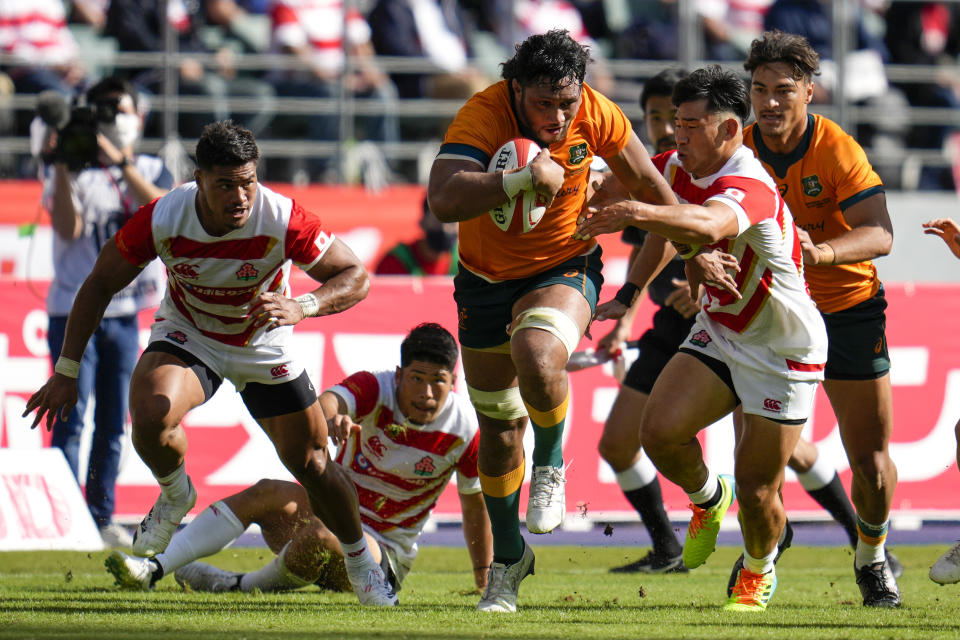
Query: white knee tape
{"type": "Point", "coordinates": [552, 320]}
{"type": "Point", "coordinates": [502, 405]}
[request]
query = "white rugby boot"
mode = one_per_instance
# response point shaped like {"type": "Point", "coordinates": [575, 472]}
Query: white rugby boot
{"type": "Point", "coordinates": [130, 572]}
{"type": "Point", "coordinates": [503, 583]}
{"type": "Point", "coordinates": [946, 570]}
{"type": "Point", "coordinates": [546, 506]}
{"type": "Point", "coordinates": [372, 587]}
{"type": "Point", "coordinates": [200, 576]}
{"type": "Point", "coordinates": [155, 530]}
{"type": "Point", "coordinates": [116, 536]}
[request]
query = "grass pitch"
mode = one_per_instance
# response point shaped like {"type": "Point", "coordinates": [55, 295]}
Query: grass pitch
{"type": "Point", "coordinates": [572, 596]}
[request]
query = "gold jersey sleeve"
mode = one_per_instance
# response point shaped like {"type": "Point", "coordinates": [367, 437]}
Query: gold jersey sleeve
{"type": "Point", "coordinates": [481, 127]}
{"type": "Point", "coordinates": [827, 173]}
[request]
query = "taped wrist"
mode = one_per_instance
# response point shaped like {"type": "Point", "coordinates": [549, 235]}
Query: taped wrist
{"type": "Point", "coordinates": [67, 367]}
{"type": "Point", "coordinates": [627, 294]}
{"type": "Point", "coordinates": [309, 305]}
{"type": "Point", "coordinates": [517, 181]}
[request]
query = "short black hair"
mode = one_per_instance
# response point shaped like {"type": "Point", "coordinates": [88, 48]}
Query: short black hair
{"type": "Point", "coordinates": [429, 342]}
{"type": "Point", "coordinates": [110, 85]}
{"type": "Point", "coordinates": [552, 58]}
{"type": "Point", "coordinates": [225, 144]}
{"type": "Point", "coordinates": [661, 84]}
{"type": "Point", "coordinates": [723, 90]}
{"type": "Point", "coordinates": [793, 50]}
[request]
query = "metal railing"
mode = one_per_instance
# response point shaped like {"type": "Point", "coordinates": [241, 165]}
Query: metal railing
{"type": "Point", "coordinates": [169, 104]}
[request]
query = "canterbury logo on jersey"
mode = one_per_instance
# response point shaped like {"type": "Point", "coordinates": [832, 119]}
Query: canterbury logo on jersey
{"type": "Point", "coordinates": [279, 371]}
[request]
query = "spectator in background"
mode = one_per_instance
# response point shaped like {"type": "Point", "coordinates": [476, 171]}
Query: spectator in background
{"type": "Point", "coordinates": [927, 33]}
{"type": "Point", "coordinates": [241, 21]}
{"type": "Point", "coordinates": [138, 25]}
{"type": "Point", "coordinates": [434, 253]}
{"type": "Point", "coordinates": [91, 12]}
{"type": "Point", "coordinates": [86, 209]}
{"type": "Point", "coordinates": [35, 33]}
{"type": "Point", "coordinates": [313, 32]}
{"type": "Point", "coordinates": [429, 29]}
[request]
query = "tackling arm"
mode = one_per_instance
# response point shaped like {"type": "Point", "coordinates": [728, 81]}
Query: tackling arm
{"type": "Point", "coordinates": [477, 535]}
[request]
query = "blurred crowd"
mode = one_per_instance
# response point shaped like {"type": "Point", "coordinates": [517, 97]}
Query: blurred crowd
{"type": "Point", "coordinates": [333, 46]}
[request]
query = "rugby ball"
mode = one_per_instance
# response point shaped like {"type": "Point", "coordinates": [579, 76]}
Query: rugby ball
{"type": "Point", "coordinates": [525, 211]}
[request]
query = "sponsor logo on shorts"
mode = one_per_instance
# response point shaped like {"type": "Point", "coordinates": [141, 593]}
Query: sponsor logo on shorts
{"type": "Point", "coordinates": [700, 338]}
{"type": "Point", "coordinates": [247, 272]}
{"type": "Point", "coordinates": [811, 185]}
{"type": "Point", "coordinates": [376, 446]}
{"type": "Point", "coordinates": [177, 336]}
{"type": "Point", "coordinates": [279, 371]}
{"type": "Point", "coordinates": [186, 270]}
{"type": "Point", "coordinates": [462, 318]}
{"type": "Point", "coordinates": [571, 274]}
{"type": "Point", "coordinates": [425, 467]}
{"type": "Point", "coordinates": [769, 404]}
{"type": "Point", "coordinates": [578, 153]}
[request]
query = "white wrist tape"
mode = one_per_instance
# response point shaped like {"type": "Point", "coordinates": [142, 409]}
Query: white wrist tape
{"type": "Point", "coordinates": [517, 181]}
{"type": "Point", "coordinates": [309, 305]}
{"type": "Point", "coordinates": [67, 367]}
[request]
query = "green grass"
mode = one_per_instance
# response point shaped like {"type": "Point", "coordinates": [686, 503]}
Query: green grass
{"type": "Point", "coordinates": [69, 595]}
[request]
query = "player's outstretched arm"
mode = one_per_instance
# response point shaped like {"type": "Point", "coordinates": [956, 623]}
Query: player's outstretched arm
{"type": "Point", "coordinates": [477, 535]}
{"type": "Point", "coordinates": [684, 223]}
{"type": "Point", "coordinates": [111, 273]}
{"type": "Point", "coordinates": [339, 422]}
{"type": "Point", "coordinates": [947, 230]}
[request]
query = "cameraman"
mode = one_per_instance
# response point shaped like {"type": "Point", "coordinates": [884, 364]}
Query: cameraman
{"type": "Point", "coordinates": [87, 206]}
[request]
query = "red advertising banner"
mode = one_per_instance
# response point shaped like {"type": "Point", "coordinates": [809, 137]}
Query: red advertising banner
{"type": "Point", "coordinates": [228, 451]}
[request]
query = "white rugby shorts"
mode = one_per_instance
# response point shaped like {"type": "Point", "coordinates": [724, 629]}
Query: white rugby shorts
{"type": "Point", "coordinates": [264, 363]}
{"type": "Point", "coordinates": [769, 383]}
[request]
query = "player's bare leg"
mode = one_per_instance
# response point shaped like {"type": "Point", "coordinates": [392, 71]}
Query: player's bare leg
{"type": "Point", "coordinates": [761, 456]}
{"type": "Point", "coordinates": [162, 390]}
{"type": "Point", "coordinates": [500, 463]}
{"type": "Point", "coordinates": [864, 411]}
{"type": "Point", "coordinates": [301, 442]}
{"type": "Point", "coordinates": [540, 349]}
{"type": "Point", "coordinates": [671, 421]}
{"type": "Point", "coordinates": [687, 397]}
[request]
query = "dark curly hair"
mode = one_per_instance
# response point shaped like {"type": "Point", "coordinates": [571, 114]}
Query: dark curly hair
{"type": "Point", "coordinates": [790, 49]}
{"type": "Point", "coordinates": [225, 144]}
{"type": "Point", "coordinates": [661, 84]}
{"type": "Point", "coordinates": [550, 58]}
{"type": "Point", "coordinates": [429, 342]}
{"type": "Point", "coordinates": [723, 90]}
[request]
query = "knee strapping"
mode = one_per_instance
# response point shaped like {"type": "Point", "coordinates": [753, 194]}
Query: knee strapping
{"type": "Point", "coordinates": [551, 320]}
{"type": "Point", "coordinates": [505, 404]}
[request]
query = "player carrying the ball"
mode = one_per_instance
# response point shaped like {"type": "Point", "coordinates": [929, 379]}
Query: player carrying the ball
{"type": "Point", "coordinates": [525, 299]}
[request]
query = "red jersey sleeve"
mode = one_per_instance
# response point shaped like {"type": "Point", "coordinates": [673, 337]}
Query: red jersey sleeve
{"type": "Point", "coordinates": [365, 389]}
{"type": "Point", "coordinates": [135, 237]}
{"type": "Point", "coordinates": [467, 464]}
{"type": "Point", "coordinates": [306, 241]}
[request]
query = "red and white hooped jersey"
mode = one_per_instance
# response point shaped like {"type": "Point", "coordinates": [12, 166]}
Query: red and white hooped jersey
{"type": "Point", "coordinates": [213, 281]}
{"type": "Point", "coordinates": [401, 468]}
{"type": "Point", "coordinates": [776, 309]}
